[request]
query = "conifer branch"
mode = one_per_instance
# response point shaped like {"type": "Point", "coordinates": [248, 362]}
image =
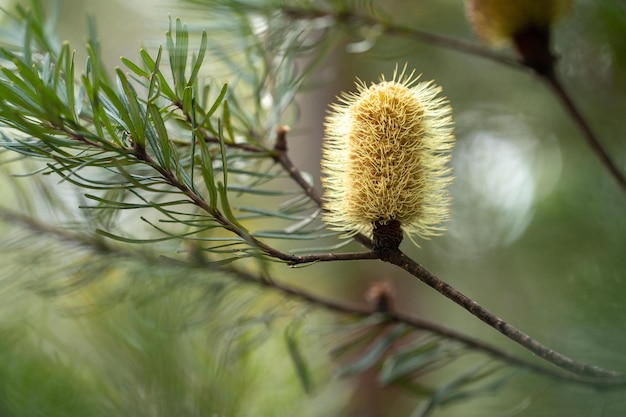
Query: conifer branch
{"type": "Point", "coordinates": [401, 260]}
{"type": "Point", "coordinates": [390, 315]}
{"type": "Point", "coordinates": [268, 250]}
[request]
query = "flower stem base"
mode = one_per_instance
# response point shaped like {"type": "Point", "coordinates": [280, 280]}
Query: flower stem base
{"type": "Point", "coordinates": [533, 45]}
{"type": "Point", "coordinates": [387, 235]}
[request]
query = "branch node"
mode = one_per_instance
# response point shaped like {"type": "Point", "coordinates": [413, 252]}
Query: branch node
{"type": "Point", "coordinates": [381, 296]}
{"type": "Point", "coordinates": [281, 139]}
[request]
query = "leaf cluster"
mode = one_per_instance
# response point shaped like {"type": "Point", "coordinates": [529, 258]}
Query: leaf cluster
{"type": "Point", "coordinates": [152, 140]}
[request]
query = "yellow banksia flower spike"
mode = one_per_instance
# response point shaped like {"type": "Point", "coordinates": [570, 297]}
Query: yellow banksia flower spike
{"type": "Point", "coordinates": [524, 23]}
{"type": "Point", "coordinates": [385, 160]}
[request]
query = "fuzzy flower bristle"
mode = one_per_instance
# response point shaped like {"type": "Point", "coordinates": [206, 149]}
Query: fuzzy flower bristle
{"type": "Point", "coordinates": [385, 158]}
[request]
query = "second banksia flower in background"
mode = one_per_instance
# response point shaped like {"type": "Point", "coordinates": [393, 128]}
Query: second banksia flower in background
{"type": "Point", "coordinates": [385, 160]}
{"type": "Point", "coordinates": [524, 23]}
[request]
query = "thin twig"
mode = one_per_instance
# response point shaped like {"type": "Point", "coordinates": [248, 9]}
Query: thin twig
{"type": "Point", "coordinates": [322, 257]}
{"type": "Point", "coordinates": [208, 138]}
{"type": "Point", "coordinates": [281, 156]}
{"type": "Point", "coordinates": [570, 107]}
{"type": "Point", "coordinates": [358, 20]}
{"type": "Point", "coordinates": [398, 258]}
{"type": "Point", "coordinates": [243, 146]}
{"type": "Point", "coordinates": [495, 352]}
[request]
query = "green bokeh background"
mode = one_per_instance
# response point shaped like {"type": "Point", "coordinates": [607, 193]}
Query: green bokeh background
{"type": "Point", "coordinates": [538, 230]}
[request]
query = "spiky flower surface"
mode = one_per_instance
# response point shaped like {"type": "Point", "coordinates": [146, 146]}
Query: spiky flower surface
{"type": "Point", "coordinates": [385, 157]}
{"type": "Point", "coordinates": [499, 21]}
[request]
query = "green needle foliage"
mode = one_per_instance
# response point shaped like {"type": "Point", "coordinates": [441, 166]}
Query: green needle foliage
{"type": "Point", "coordinates": [150, 203]}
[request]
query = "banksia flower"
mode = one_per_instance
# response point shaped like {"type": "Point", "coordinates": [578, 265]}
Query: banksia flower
{"type": "Point", "coordinates": [385, 160]}
{"type": "Point", "coordinates": [524, 23]}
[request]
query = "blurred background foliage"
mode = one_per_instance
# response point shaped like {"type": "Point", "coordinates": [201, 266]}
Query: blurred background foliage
{"type": "Point", "coordinates": [537, 236]}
